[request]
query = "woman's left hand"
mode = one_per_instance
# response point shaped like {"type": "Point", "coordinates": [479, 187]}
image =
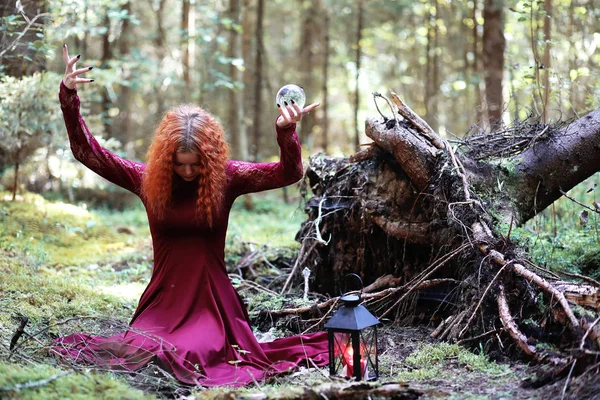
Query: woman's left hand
{"type": "Point", "coordinates": [292, 114]}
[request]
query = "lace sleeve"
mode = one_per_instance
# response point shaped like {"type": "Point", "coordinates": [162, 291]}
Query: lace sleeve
{"type": "Point", "coordinates": [247, 177]}
{"type": "Point", "coordinates": [87, 150]}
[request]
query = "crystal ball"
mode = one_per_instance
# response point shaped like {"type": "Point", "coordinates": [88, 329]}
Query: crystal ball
{"type": "Point", "coordinates": [291, 92]}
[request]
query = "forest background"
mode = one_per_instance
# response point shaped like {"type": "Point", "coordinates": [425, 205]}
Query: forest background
{"type": "Point", "coordinates": [455, 63]}
{"type": "Point", "coordinates": [461, 65]}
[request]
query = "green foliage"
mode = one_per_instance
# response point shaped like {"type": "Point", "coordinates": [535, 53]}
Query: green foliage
{"type": "Point", "coordinates": [74, 386]}
{"type": "Point", "coordinates": [557, 239]}
{"type": "Point", "coordinates": [28, 114]}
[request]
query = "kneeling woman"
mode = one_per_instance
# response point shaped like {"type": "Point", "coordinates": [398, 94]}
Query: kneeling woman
{"type": "Point", "coordinates": [190, 319]}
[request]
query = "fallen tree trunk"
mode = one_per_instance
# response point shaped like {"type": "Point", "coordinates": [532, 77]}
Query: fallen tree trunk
{"type": "Point", "coordinates": [410, 207]}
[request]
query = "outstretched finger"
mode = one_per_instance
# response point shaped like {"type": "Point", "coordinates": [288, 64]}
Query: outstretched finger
{"type": "Point", "coordinates": [309, 108]}
{"type": "Point", "coordinates": [81, 71]}
{"type": "Point", "coordinates": [82, 80]}
{"type": "Point", "coordinates": [72, 61]}
{"type": "Point", "coordinates": [65, 54]}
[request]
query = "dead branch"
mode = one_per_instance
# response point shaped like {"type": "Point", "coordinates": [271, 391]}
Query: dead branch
{"type": "Point", "coordinates": [367, 297]}
{"type": "Point", "coordinates": [482, 236]}
{"type": "Point", "coordinates": [578, 202]}
{"type": "Point", "coordinates": [344, 391]}
{"type": "Point", "coordinates": [582, 277]}
{"type": "Point", "coordinates": [475, 338]}
{"type": "Point", "coordinates": [576, 293]}
{"type": "Point", "coordinates": [415, 156]}
{"type": "Point", "coordinates": [18, 333]}
{"type": "Point", "coordinates": [299, 260]}
{"type": "Point", "coordinates": [252, 285]}
{"type": "Point", "coordinates": [541, 282]}
{"type": "Point", "coordinates": [481, 301]}
{"type": "Point", "coordinates": [510, 325]}
{"type": "Point", "coordinates": [33, 384]}
{"type": "Point", "coordinates": [382, 282]}
{"type": "Point", "coordinates": [417, 121]}
{"type": "Point", "coordinates": [589, 330]}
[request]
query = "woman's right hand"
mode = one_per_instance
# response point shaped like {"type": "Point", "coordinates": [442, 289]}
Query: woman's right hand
{"type": "Point", "coordinates": [71, 78]}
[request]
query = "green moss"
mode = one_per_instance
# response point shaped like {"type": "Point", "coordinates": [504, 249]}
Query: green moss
{"type": "Point", "coordinates": [57, 234]}
{"type": "Point", "coordinates": [73, 386]}
{"type": "Point", "coordinates": [432, 355]}
{"type": "Point", "coordinates": [270, 221]}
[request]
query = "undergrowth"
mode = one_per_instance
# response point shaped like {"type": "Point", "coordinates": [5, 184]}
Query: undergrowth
{"type": "Point", "coordinates": [560, 238]}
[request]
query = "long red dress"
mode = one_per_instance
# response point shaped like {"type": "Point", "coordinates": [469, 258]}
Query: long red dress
{"type": "Point", "coordinates": [190, 319]}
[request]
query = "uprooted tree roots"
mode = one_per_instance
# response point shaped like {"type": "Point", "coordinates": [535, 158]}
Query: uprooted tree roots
{"type": "Point", "coordinates": [406, 208]}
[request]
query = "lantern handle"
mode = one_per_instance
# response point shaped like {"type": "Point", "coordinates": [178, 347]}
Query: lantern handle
{"type": "Point", "coordinates": [357, 277]}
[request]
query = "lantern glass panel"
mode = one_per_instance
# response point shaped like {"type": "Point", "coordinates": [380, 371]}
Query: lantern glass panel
{"type": "Point", "coordinates": [341, 343]}
{"type": "Point", "coordinates": [368, 352]}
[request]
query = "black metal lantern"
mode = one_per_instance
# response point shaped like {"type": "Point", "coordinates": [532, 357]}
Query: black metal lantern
{"type": "Point", "coordinates": [352, 335]}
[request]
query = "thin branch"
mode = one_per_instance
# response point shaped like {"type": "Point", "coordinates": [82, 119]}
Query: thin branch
{"type": "Point", "coordinates": [31, 22]}
{"type": "Point", "coordinates": [511, 327]}
{"type": "Point", "coordinates": [578, 202]}
{"type": "Point", "coordinates": [33, 384]}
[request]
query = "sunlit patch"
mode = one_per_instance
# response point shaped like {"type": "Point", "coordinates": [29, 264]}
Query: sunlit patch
{"type": "Point", "coordinates": [128, 291]}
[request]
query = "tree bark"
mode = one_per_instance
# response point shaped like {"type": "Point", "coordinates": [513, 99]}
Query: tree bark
{"type": "Point", "coordinates": [258, 80]}
{"type": "Point", "coordinates": [433, 71]}
{"type": "Point", "coordinates": [237, 131]}
{"type": "Point", "coordinates": [566, 158]}
{"type": "Point", "coordinates": [476, 67]}
{"type": "Point", "coordinates": [358, 55]}
{"type": "Point", "coordinates": [185, 48]}
{"type": "Point", "coordinates": [124, 119]}
{"type": "Point", "coordinates": [546, 59]}
{"type": "Point", "coordinates": [306, 60]}
{"type": "Point", "coordinates": [161, 52]}
{"type": "Point", "coordinates": [494, 44]}
{"type": "Point", "coordinates": [105, 58]}
{"type": "Point", "coordinates": [325, 84]}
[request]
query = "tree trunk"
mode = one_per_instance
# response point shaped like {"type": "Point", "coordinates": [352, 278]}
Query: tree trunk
{"type": "Point", "coordinates": [476, 67]}
{"type": "Point", "coordinates": [161, 51]}
{"type": "Point", "coordinates": [325, 85]}
{"type": "Point", "coordinates": [432, 80]}
{"type": "Point", "coordinates": [105, 58]}
{"type": "Point", "coordinates": [546, 59]}
{"type": "Point", "coordinates": [247, 55]}
{"type": "Point", "coordinates": [124, 119]}
{"type": "Point", "coordinates": [494, 44]}
{"type": "Point", "coordinates": [258, 80]}
{"type": "Point", "coordinates": [237, 131]}
{"type": "Point", "coordinates": [358, 55]}
{"type": "Point", "coordinates": [185, 48]}
{"type": "Point", "coordinates": [306, 61]}
{"type": "Point", "coordinates": [16, 181]}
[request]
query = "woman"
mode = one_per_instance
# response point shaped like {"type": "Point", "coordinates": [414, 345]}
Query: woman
{"type": "Point", "coordinates": [190, 320]}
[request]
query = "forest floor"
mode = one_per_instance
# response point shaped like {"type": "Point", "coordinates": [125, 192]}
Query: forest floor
{"type": "Point", "coordinates": [68, 269]}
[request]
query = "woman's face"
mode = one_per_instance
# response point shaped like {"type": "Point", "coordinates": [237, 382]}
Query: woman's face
{"type": "Point", "coordinates": [187, 165]}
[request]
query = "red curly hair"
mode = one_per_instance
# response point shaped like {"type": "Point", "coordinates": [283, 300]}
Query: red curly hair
{"type": "Point", "coordinates": [190, 129]}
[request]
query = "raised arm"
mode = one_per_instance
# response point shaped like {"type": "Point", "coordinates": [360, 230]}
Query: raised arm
{"type": "Point", "coordinates": [247, 177]}
{"type": "Point", "coordinates": [84, 146]}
